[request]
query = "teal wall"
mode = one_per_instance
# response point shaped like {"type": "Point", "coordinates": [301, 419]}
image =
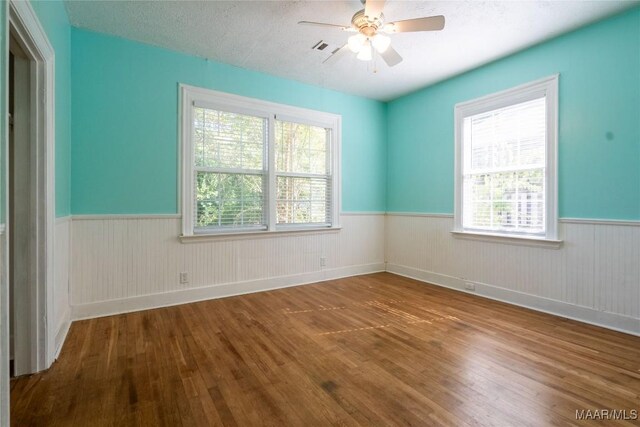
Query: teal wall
{"type": "Point", "coordinates": [125, 142]}
{"type": "Point", "coordinates": [599, 177]}
{"type": "Point", "coordinates": [125, 116]}
{"type": "Point", "coordinates": [53, 17]}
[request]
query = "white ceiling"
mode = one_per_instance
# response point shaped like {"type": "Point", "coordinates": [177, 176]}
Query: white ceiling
{"type": "Point", "coordinates": [265, 36]}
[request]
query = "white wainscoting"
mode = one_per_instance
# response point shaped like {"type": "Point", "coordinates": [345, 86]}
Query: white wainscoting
{"type": "Point", "coordinates": [593, 277]}
{"type": "Point", "coordinates": [130, 263]}
{"type": "Point", "coordinates": [62, 263]}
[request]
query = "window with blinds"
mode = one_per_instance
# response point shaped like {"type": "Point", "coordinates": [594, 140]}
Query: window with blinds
{"type": "Point", "coordinates": [303, 174]}
{"type": "Point", "coordinates": [250, 165]}
{"type": "Point", "coordinates": [504, 170]}
{"type": "Point", "coordinates": [229, 169]}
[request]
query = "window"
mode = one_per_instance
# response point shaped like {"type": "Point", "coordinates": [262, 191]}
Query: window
{"type": "Point", "coordinates": [303, 178]}
{"type": "Point", "coordinates": [229, 169]}
{"type": "Point", "coordinates": [505, 163]}
{"type": "Point", "coordinates": [255, 166]}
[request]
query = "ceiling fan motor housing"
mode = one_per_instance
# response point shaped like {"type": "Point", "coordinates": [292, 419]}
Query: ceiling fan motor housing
{"type": "Point", "coordinates": [366, 24]}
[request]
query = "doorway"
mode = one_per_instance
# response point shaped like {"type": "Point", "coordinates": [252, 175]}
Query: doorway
{"type": "Point", "coordinates": [30, 208]}
{"type": "Point", "coordinates": [21, 222]}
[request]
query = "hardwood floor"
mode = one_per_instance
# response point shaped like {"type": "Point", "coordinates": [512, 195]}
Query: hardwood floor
{"type": "Point", "coordinates": [369, 350]}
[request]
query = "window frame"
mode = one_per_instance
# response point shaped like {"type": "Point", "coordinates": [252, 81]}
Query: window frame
{"type": "Point", "coordinates": [191, 96]}
{"type": "Point", "coordinates": [548, 88]}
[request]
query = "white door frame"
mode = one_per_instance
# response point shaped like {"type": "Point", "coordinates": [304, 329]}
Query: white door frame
{"type": "Point", "coordinates": [26, 28]}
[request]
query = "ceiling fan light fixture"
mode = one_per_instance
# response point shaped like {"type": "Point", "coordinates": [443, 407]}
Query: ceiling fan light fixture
{"type": "Point", "coordinates": [372, 31]}
{"type": "Point", "coordinates": [381, 42]}
{"type": "Point", "coordinates": [356, 42]}
{"type": "Point", "coordinates": [365, 53]}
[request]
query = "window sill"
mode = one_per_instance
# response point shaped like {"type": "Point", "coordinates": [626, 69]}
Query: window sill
{"type": "Point", "coordinates": [510, 240]}
{"type": "Point", "coordinates": [262, 234]}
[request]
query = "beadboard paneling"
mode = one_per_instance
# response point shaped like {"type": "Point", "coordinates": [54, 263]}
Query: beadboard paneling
{"type": "Point", "coordinates": [597, 268]}
{"type": "Point", "coordinates": [131, 263]}
{"type": "Point", "coordinates": [122, 259]}
{"type": "Point", "coordinates": [61, 309]}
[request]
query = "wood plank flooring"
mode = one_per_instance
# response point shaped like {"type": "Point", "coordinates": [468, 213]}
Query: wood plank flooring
{"type": "Point", "coordinates": [369, 350]}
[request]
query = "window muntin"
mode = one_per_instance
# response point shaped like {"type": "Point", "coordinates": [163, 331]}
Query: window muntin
{"type": "Point", "coordinates": [250, 165]}
{"type": "Point", "coordinates": [506, 163]}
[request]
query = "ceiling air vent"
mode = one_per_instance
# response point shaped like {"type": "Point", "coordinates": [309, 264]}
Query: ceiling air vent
{"type": "Point", "coordinates": [321, 45]}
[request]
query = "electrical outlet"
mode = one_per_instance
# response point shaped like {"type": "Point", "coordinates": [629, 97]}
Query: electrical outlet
{"type": "Point", "coordinates": [323, 262]}
{"type": "Point", "coordinates": [184, 277]}
{"type": "Point", "coordinates": [470, 286]}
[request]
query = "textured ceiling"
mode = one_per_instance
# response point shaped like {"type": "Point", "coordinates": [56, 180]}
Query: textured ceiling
{"type": "Point", "coordinates": [265, 36]}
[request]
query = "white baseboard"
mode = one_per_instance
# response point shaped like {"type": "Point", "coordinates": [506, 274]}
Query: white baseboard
{"type": "Point", "coordinates": [145, 302]}
{"type": "Point", "coordinates": [608, 320]}
{"type": "Point", "coordinates": [613, 321]}
{"type": "Point", "coordinates": [61, 333]}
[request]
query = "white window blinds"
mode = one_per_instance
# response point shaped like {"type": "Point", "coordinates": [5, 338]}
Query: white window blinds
{"type": "Point", "coordinates": [303, 173]}
{"type": "Point", "coordinates": [504, 169]}
{"type": "Point", "coordinates": [229, 170]}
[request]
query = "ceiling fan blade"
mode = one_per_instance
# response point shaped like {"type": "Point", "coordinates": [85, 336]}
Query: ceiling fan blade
{"type": "Point", "coordinates": [337, 54]}
{"type": "Point", "coordinates": [373, 8]}
{"type": "Point", "coordinates": [322, 24]}
{"type": "Point", "coordinates": [391, 57]}
{"type": "Point", "coordinates": [431, 23]}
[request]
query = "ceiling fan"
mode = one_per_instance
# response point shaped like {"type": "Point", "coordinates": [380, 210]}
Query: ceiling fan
{"type": "Point", "coordinates": [371, 29]}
